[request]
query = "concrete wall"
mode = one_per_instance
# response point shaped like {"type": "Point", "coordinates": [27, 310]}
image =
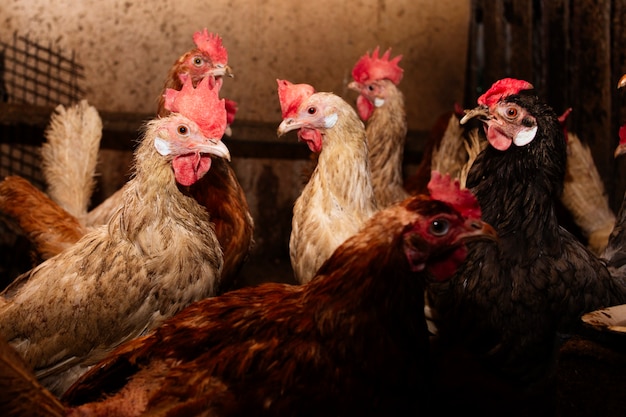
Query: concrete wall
{"type": "Point", "coordinates": [127, 46]}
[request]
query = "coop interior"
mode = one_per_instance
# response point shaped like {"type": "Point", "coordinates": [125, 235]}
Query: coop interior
{"type": "Point", "coordinates": [116, 55]}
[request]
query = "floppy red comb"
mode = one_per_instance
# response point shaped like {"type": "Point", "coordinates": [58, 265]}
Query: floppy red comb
{"type": "Point", "coordinates": [291, 96]}
{"type": "Point", "coordinates": [503, 88]}
{"type": "Point", "coordinates": [212, 45]}
{"type": "Point", "coordinates": [377, 68]}
{"type": "Point", "coordinates": [200, 104]}
{"type": "Point", "coordinates": [444, 188]}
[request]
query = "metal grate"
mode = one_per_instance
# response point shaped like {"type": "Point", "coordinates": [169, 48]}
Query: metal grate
{"type": "Point", "coordinates": [35, 75]}
{"type": "Point", "coordinates": [38, 75]}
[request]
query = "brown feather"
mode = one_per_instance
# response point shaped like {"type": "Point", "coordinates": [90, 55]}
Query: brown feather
{"type": "Point", "coordinates": [352, 341]}
{"type": "Point", "coordinates": [49, 227]}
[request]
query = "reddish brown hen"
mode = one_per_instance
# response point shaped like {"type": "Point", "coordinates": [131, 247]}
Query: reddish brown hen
{"type": "Point", "coordinates": [352, 341]}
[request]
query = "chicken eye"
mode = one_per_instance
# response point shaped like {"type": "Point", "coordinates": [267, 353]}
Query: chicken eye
{"type": "Point", "coordinates": [511, 112]}
{"type": "Point", "coordinates": [370, 87]}
{"type": "Point", "coordinates": [311, 110]}
{"type": "Point", "coordinates": [182, 130]}
{"type": "Point", "coordinates": [197, 61]}
{"type": "Point", "coordinates": [439, 227]}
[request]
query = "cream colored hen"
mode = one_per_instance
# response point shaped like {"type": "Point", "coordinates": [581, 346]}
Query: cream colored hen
{"type": "Point", "coordinates": [381, 106]}
{"type": "Point", "coordinates": [157, 254]}
{"type": "Point", "coordinates": [338, 198]}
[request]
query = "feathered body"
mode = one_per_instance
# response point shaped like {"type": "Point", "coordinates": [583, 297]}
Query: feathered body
{"type": "Point", "coordinates": [352, 341]}
{"type": "Point", "coordinates": [338, 198]}
{"type": "Point", "coordinates": [219, 190]}
{"type": "Point", "coordinates": [381, 106]}
{"type": "Point", "coordinates": [21, 394]}
{"type": "Point", "coordinates": [157, 254]}
{"type": "Point", "coordinates": [585, 197]}
{"type": "Point", "coordinates": [511, 301]}
{"type": "Point", "coordinates": [29, 211]}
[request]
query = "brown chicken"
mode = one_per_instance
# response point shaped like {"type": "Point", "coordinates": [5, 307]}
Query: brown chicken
{"type": "Point", "coordinates": [381, 106]}
{"type": "Point", "coordinates": [338, 198]}
{"type": "Point", "coordinates": [157, 254]}
{"type": "Point", "coordinates": [350, 342]}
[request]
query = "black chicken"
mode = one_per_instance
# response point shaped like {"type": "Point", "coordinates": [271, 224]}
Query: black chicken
{"type": "Point", "coordinates": [505, 313]}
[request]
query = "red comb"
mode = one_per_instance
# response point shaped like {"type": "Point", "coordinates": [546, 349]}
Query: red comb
{"type": "Point", "coordinates": [622, 134]}
{"type": "Point", "coordinates": [212, 45]}
{"type": "Point", "coordinates": [231, 110]}
{"type": "Point", "coordinates": [377, 68]}
{"type": "Point", "coordinates": [503, 88]}
{"type": "Point", "coordinates": [291, 96]}
{"type": "Point", "coordinates": [444, 188]}
{"type": "Point", "coordinates": [200, 104]}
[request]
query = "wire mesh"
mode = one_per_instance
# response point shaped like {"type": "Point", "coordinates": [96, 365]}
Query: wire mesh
{"type": "Point", "coordinates": [31, 74]}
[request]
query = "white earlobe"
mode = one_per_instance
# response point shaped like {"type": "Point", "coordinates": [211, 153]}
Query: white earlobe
{"type": "Point", "coordinates": [379, 102]}
{"type": "Point", "coordinates": [330, 120]}
{"type": "Point", "coordinates": [162, 146]}
{"type": "Point", "coordinates": [525, 137]}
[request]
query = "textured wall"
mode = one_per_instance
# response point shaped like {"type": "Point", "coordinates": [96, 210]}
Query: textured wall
{"type": "Point", "coordinates": [127, 46]}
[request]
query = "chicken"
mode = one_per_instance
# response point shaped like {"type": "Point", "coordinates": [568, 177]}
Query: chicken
{"type": "Point", "coordinates": [511, 302]}
{"type": "Point", "coordinates": [208, 58]}
{"type": "Point", "coordinates": [584, 206]}
{"type": "Point", "coordinates": [218, 191]}
{"type": "Point", "coordinates": [381, 106]}
{"type": "Point", "coordinates": [352, 341]}
{"type": "Point", "coordinates": [157, 254]}
{"type": "Point", "coordinates": [338, 198]}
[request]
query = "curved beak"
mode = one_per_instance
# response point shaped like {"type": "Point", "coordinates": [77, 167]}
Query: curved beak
{"type": "Point", "coordinates": [619, 150]}
{"type": "Point", "coordinates": [223, 71]}
{"type": "Point", "coordinates": [478, 229]}
{"type": "Point", "coordinates": [214, 147]}
{"type": "Point", "coordinates": [353, 85]}
{"type": "Point", "coordinates": [480, 111]}
{"type": "Point", "coordinates": [287, 125]}
{"type": "Point", "coordinates": [622, 82]}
